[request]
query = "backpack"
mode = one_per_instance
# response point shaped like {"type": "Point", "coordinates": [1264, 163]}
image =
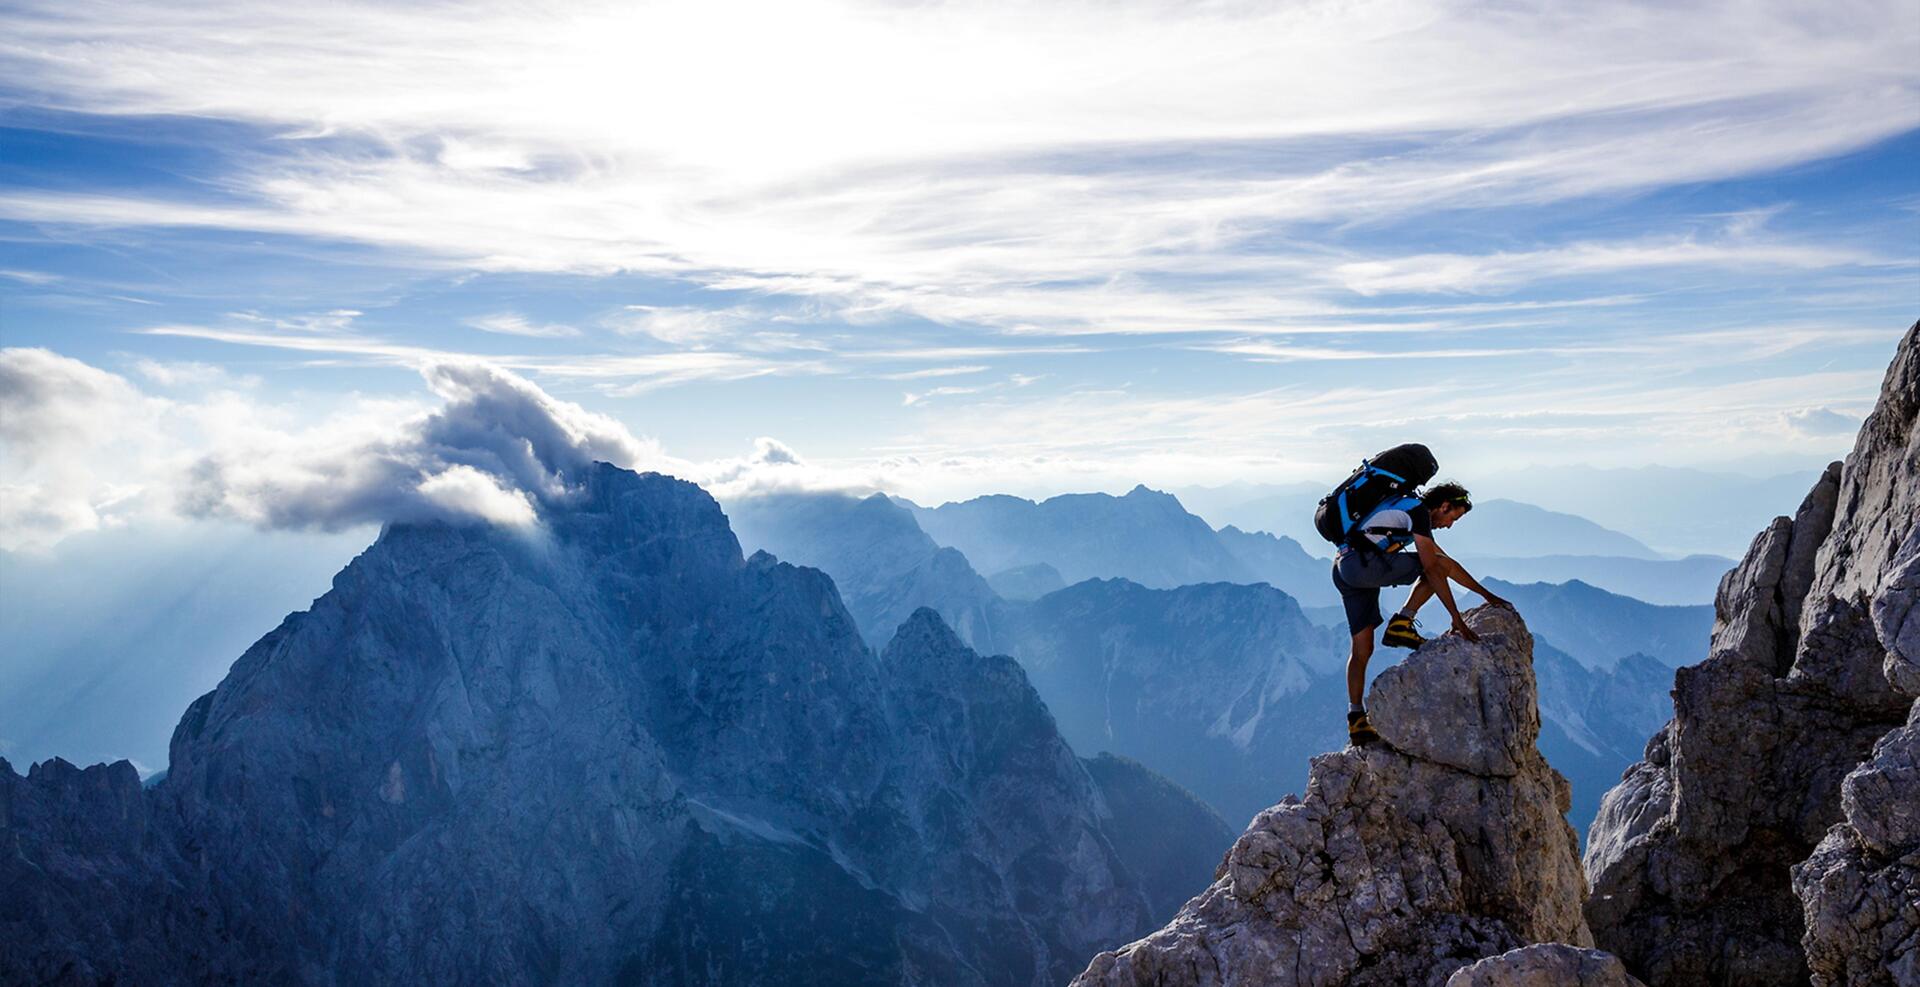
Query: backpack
{"type": "Point", "coordinates": [1381, 479]}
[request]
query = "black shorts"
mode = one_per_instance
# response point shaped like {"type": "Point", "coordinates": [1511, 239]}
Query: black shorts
{"type": "Point", "coordinates": [1359, 577]}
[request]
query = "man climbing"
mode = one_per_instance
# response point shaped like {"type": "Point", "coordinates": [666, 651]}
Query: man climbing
{"type": "Point", "coordinates": [1359, 575]}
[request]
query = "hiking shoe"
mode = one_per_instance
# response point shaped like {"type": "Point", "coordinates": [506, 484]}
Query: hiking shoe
{"type": "Point", "coordinates": [1401, 633]}
{"type": "Point", "coordinates": [1359, 731]}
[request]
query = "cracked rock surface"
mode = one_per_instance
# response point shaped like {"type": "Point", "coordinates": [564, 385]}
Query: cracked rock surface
{"type": "Point", "coordinates": [1403, 861]}
{"type": "Point", "coordinates": [1547, 964]}
{"type": "Point", "coordinates": [1692, 856]}
{"type": "Point", "coordinates": [1861, 887]}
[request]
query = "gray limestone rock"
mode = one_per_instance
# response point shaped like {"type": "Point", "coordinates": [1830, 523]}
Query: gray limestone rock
{"type": "Point", "coordinates": [1546, 964]}
{"type": "Point", "coordinates": [1861, 886]}
{"type": "Point", "coordinates": [1690, 857]}
{"type": "Point", "coordinates": [1395, 867]}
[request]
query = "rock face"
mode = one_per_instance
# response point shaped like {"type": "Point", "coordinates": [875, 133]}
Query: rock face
{"type": "Point", "coordinates": [610, 749]}
{"type": "Point", "coordinates": [1404, 861]}
{"type": "Point", "coordinates": [1547, 964]}
{"type": "Point", "coordinates": [1861, 887]}
{"type": "Point", "coordinates": [1690, 856]}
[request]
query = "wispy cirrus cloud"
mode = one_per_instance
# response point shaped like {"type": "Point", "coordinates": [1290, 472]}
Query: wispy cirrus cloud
{"type": "Point", "coordinates": [512, 324]}
{"type": "Point", "coordinates": [1065, 190]}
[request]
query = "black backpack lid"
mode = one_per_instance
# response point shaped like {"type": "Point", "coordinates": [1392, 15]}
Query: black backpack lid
{"type": "Point", "coordinates": [1411, 461]}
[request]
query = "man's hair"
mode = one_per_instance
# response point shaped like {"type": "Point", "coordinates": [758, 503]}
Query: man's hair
{"type": "Point", "coordinates": [1447, 493]}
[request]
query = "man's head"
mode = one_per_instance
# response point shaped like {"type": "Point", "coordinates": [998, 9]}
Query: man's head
{"type": "Point", "coordinates": [1447, 503]}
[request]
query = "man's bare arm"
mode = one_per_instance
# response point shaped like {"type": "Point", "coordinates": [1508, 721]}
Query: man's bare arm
{"type": "Point", "coordinates": [1435, 575]}
{"type": "Point", "coordinates": [1466, 579]}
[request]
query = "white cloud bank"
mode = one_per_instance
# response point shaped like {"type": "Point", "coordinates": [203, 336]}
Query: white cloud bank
{"type": "Point", "coordinates": [85, 448]}
{"type": "Point", "coordinates": [82, 448]}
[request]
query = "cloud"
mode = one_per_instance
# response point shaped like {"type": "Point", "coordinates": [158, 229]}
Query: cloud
{"type": "Point", "coordinates": [613, 373]}
{"type": "Point", "coordinates": [1130, 167]}
{"type": "Point", "coordinates": [909, 399]}
{"type": "Point", "coordinates": [74, 444]}
{"type": "Point", "coordinates": [509, 324]}
{"type": "Point", "coordinates": [1457, 273]}
{"type": "Point", "coordinates": [191, 374]}
{"type": "Point", "coordinates": [680, 325]}
{"type": "Point", "coordinates": [83, 448]}
{"type": "Point", "coordinates": [773, 466]}
{"type": "Point", "coordinates": [495, 448]}
{"type": "Point", "coordinates": [933, 372]}
{"type": "Point", "coordinates": [1819, 421]}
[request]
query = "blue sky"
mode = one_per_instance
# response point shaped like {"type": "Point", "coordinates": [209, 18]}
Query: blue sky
{"type": "Point", "coordinates": [944, 249]}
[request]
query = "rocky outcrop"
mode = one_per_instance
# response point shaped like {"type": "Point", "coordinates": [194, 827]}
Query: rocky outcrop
{"type": "Point", "coordinates": [1691, 855]}
{"type": "Point", "coordinates": [1403, 861]}
{"type": "Point", "coordinates": [1861, 886]}
{"type": "Point", "coordinates": [607, 750]}
{"type": "Point", "coordinates": [1547, 964]}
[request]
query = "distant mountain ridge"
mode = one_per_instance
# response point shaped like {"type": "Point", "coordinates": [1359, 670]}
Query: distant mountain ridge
{"type": "Point", "coordinates": [884, 565]}
{"type": "Point", "coordinates": [1227, 688]}
{"type": "Point", "coordinates": [1145, 536]}
{"type": "Point", "coordinates": [610, 750]}
{"type": "Point", "coordinates": [1667, 582]}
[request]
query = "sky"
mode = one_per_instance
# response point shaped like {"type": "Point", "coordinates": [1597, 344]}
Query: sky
{"type": "Point", "coordinates": [312, 266]}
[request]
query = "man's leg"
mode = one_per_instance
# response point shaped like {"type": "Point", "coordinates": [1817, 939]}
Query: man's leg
{"type": "Point", "coordinates": [1445, 568]}
{"type": "Point", "coordinates": [1400, 629]}
{"type": "Point", "coordinates": [1422, 592]}
{"type": "Point", "coordinates": [1357, 665]}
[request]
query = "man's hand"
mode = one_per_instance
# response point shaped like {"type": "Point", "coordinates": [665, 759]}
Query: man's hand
{"type": "Point", "coordinates": [1499, 602]}
{"type": "Point", "coordinates": [1460, 627]}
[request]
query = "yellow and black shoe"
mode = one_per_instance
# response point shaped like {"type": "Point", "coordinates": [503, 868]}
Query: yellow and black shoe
{"type": "Point", "coordinates": [1401, 634]}
{"type": "Point", "coordinates": [1359, 731]}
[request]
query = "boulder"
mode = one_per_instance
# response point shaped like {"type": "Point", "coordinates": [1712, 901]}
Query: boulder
{"type": "Point", "coordinates": [1546, 964]}
{"type": "Point", "coordinates": [1861, 886]}
{"type": "Point", "coordinates": [1403, 861]}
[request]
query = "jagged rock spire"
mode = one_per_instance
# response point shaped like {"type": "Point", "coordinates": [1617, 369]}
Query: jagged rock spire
{"type": "Point", "coordinates": [1813, 661]}
{"type": "Point", "coordinates": [1402, 862]}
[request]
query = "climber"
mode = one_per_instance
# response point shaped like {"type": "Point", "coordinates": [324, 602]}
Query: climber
{"type": "Point", "coordinates": [1359, 576]}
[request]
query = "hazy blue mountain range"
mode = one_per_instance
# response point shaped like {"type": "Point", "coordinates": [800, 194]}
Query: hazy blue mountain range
{"type": "Point", "coordinates": [1594, 721]}
{"type": "Point", "coordinates": [1678, 582]}
{"type": "Point", "coordinates": [1026, 582]}
{"type": "Point", "coordinates": [1282, 563]}
{"type": "Point", "coordinates": [1599, 628]}
{"type": "Point", "coordinates": [1224, 688]}
{"type": "Point", "coordinates": [1229, 688]}
{"type": "Point", "coordinates": [883, 564]}
{"type": "Point", "coordinates": [1145, 536]}
{"type": "Point", "coordinates": [1677, 510]}
{"type": "Point", "coordinates": [609, 750]}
